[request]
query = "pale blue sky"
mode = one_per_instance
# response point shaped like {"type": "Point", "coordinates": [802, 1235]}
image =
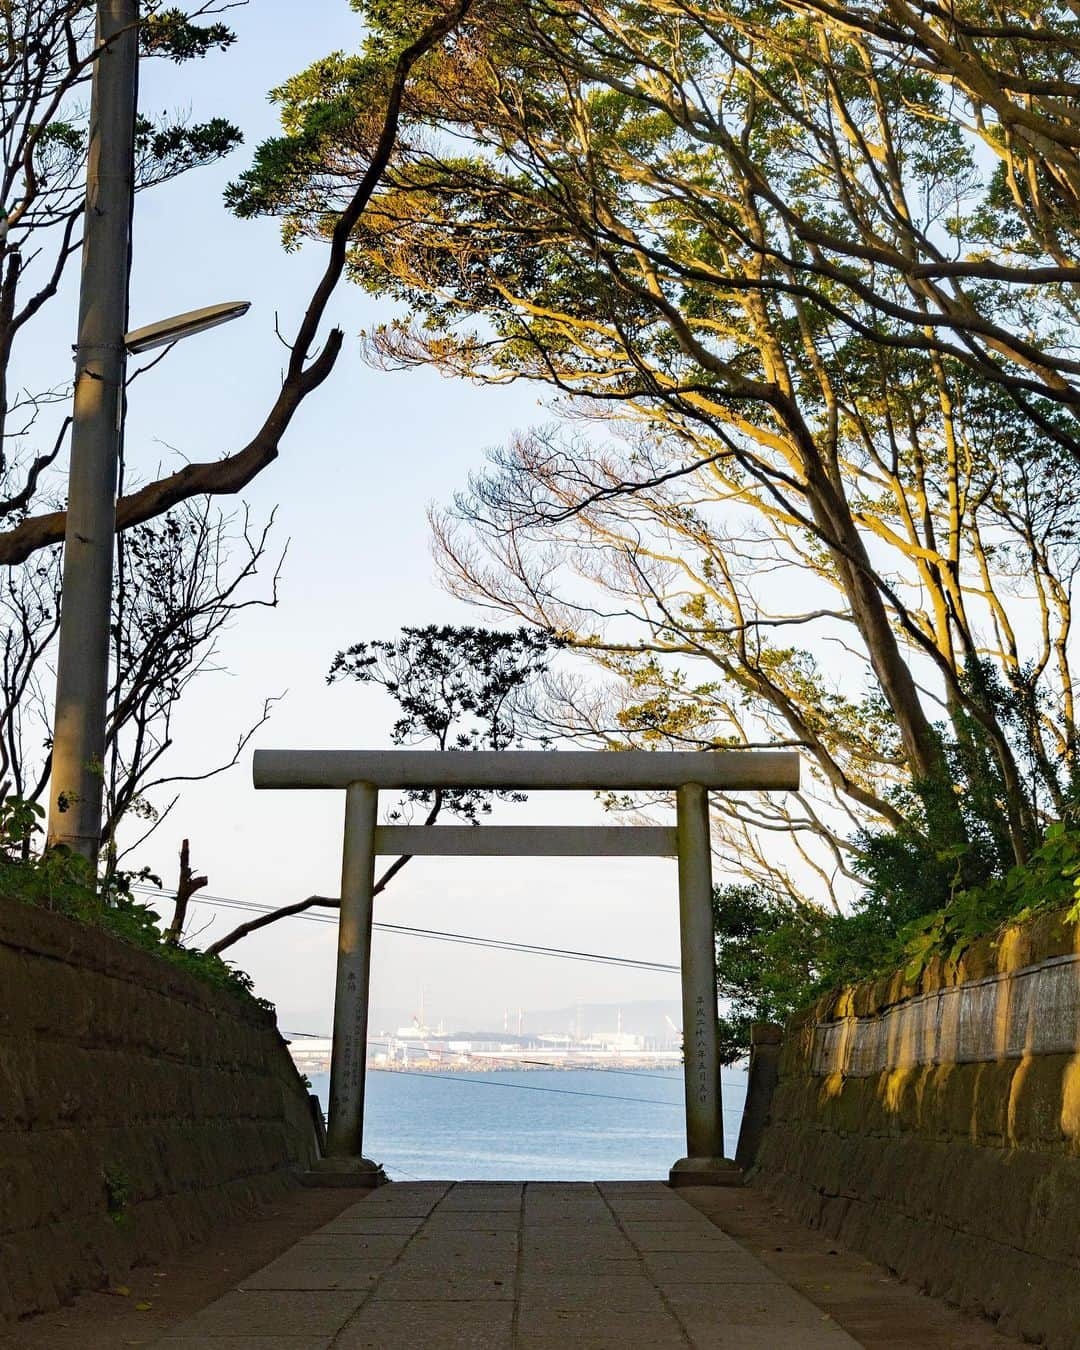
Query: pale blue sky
{"type": "Point", "coordinates": [357, 472]}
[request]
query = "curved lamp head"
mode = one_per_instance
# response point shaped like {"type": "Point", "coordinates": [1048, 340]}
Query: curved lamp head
{"type": "Point", "coordinates": [163, 332]}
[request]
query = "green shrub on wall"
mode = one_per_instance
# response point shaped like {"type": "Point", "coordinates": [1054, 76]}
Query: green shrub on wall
{"type": "Point", "coordinates": [1048, 881]}
{"type": "Point", "coordinates": [59, 880]}
{"type": "Point", "coordinates": [776, 955]}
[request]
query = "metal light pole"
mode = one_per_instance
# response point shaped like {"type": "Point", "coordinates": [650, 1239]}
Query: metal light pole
{"type": "Point", "coordinates": [82, 667]}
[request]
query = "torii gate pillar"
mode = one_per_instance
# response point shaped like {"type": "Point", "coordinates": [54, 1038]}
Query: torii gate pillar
{"type": "Point", "coordinates": [705, 1163]}
{"type": "Point", "coordinates": [348, 1066]}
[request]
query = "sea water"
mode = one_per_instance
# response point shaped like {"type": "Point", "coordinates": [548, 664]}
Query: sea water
{"type": "Point", "coordinates": [536, 1125]}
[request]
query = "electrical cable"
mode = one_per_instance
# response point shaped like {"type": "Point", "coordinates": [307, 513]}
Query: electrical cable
{"type": "Point", "coordinates": [224, 902]}
{"type": "Point", "coordinates": [526, 1087]}
{"type": "Point", "coordinates": [612, 1068]}
{"type": "Point", "coordinates": [469, 939]}
{"type": "Point", "coordinates": [393, 1167]}
{"type": "Point", "coordinates": [439, 935]}
{"type": "Point", "coordinates": [566, 954]}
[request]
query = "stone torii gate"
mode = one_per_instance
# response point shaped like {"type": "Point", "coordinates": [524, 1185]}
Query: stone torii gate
{"type": "Point", "coordinates": [363, 773]}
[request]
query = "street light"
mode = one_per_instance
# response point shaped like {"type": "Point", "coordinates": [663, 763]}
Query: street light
{"type": "Point", "coordinates": [82, 667]}
{"type": "Point", "coordinates": [75, 796]}
{"type": "Point", "coordinates": [167, 331]}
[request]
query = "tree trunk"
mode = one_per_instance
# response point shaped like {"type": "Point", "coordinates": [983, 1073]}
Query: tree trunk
{"type": "Point", "coordinates": [921, 742]}
{"type": "Point", "coordinates": [187, 884]}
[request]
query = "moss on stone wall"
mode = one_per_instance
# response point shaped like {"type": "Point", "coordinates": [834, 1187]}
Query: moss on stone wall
{"type": "Point", "coordinates": [138, 1105]}
{"type": "Point", "coordinates": [955, 1159]}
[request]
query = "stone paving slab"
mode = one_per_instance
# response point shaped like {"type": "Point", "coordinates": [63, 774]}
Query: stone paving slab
{"type": "Point", "coordinates": [352, 1221]}
{"type": "Point", "coordinates": [608, 1327]}
{"type": "Point", "coordinates": [353, 1246]}
{"type": "Point", "coordinates": [322, 1272]}
{"type": "Point", "coordinates": [676, 1238]}
{"type": "Point", "coordinates": [466, 1221]}
{"type": "Point", "coordinates": [274, 1313]}
{"type": "Point", "coordinates": [451, 1284]}
{"type": "Point", "coordinates": [751, 1305]}
{"type": "Point", "coordinates": [621, 1294]}
{"type": "Point", "coordinates": [467, 1243]}
{"type": "Point", "coordinates": [430, 1326]}
{"type": "Point", "coordinates": [713, 1337]}
{"type": "Point", "coordinates": [710, 1268]}
{"type": "Point", "coordinates": [248, 1342]}
{"type": "Point", "coordinates": [591, 1267]}
{"type": "Point", "coordinates": [512, 1266]}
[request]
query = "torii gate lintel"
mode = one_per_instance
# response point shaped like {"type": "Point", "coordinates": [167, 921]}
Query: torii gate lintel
{"type": "Point", "coordinates": [362, 773]}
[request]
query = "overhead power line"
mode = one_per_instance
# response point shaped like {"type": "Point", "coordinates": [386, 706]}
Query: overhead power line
{"type": "Point", "coordinates": [566, 954]}
{"type": "Point", "coordinates": [439, 935]}
{"type": "Point", "coordinates": [527, 1087]}
{"type": "Point", "coordinates": [565, 1092]}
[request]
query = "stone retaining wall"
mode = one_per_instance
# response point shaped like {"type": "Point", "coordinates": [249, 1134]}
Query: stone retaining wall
{"type": "Point", "coordinates": [138, 1105]}
{"type": "Point", "coordinates": [936, 1127]}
